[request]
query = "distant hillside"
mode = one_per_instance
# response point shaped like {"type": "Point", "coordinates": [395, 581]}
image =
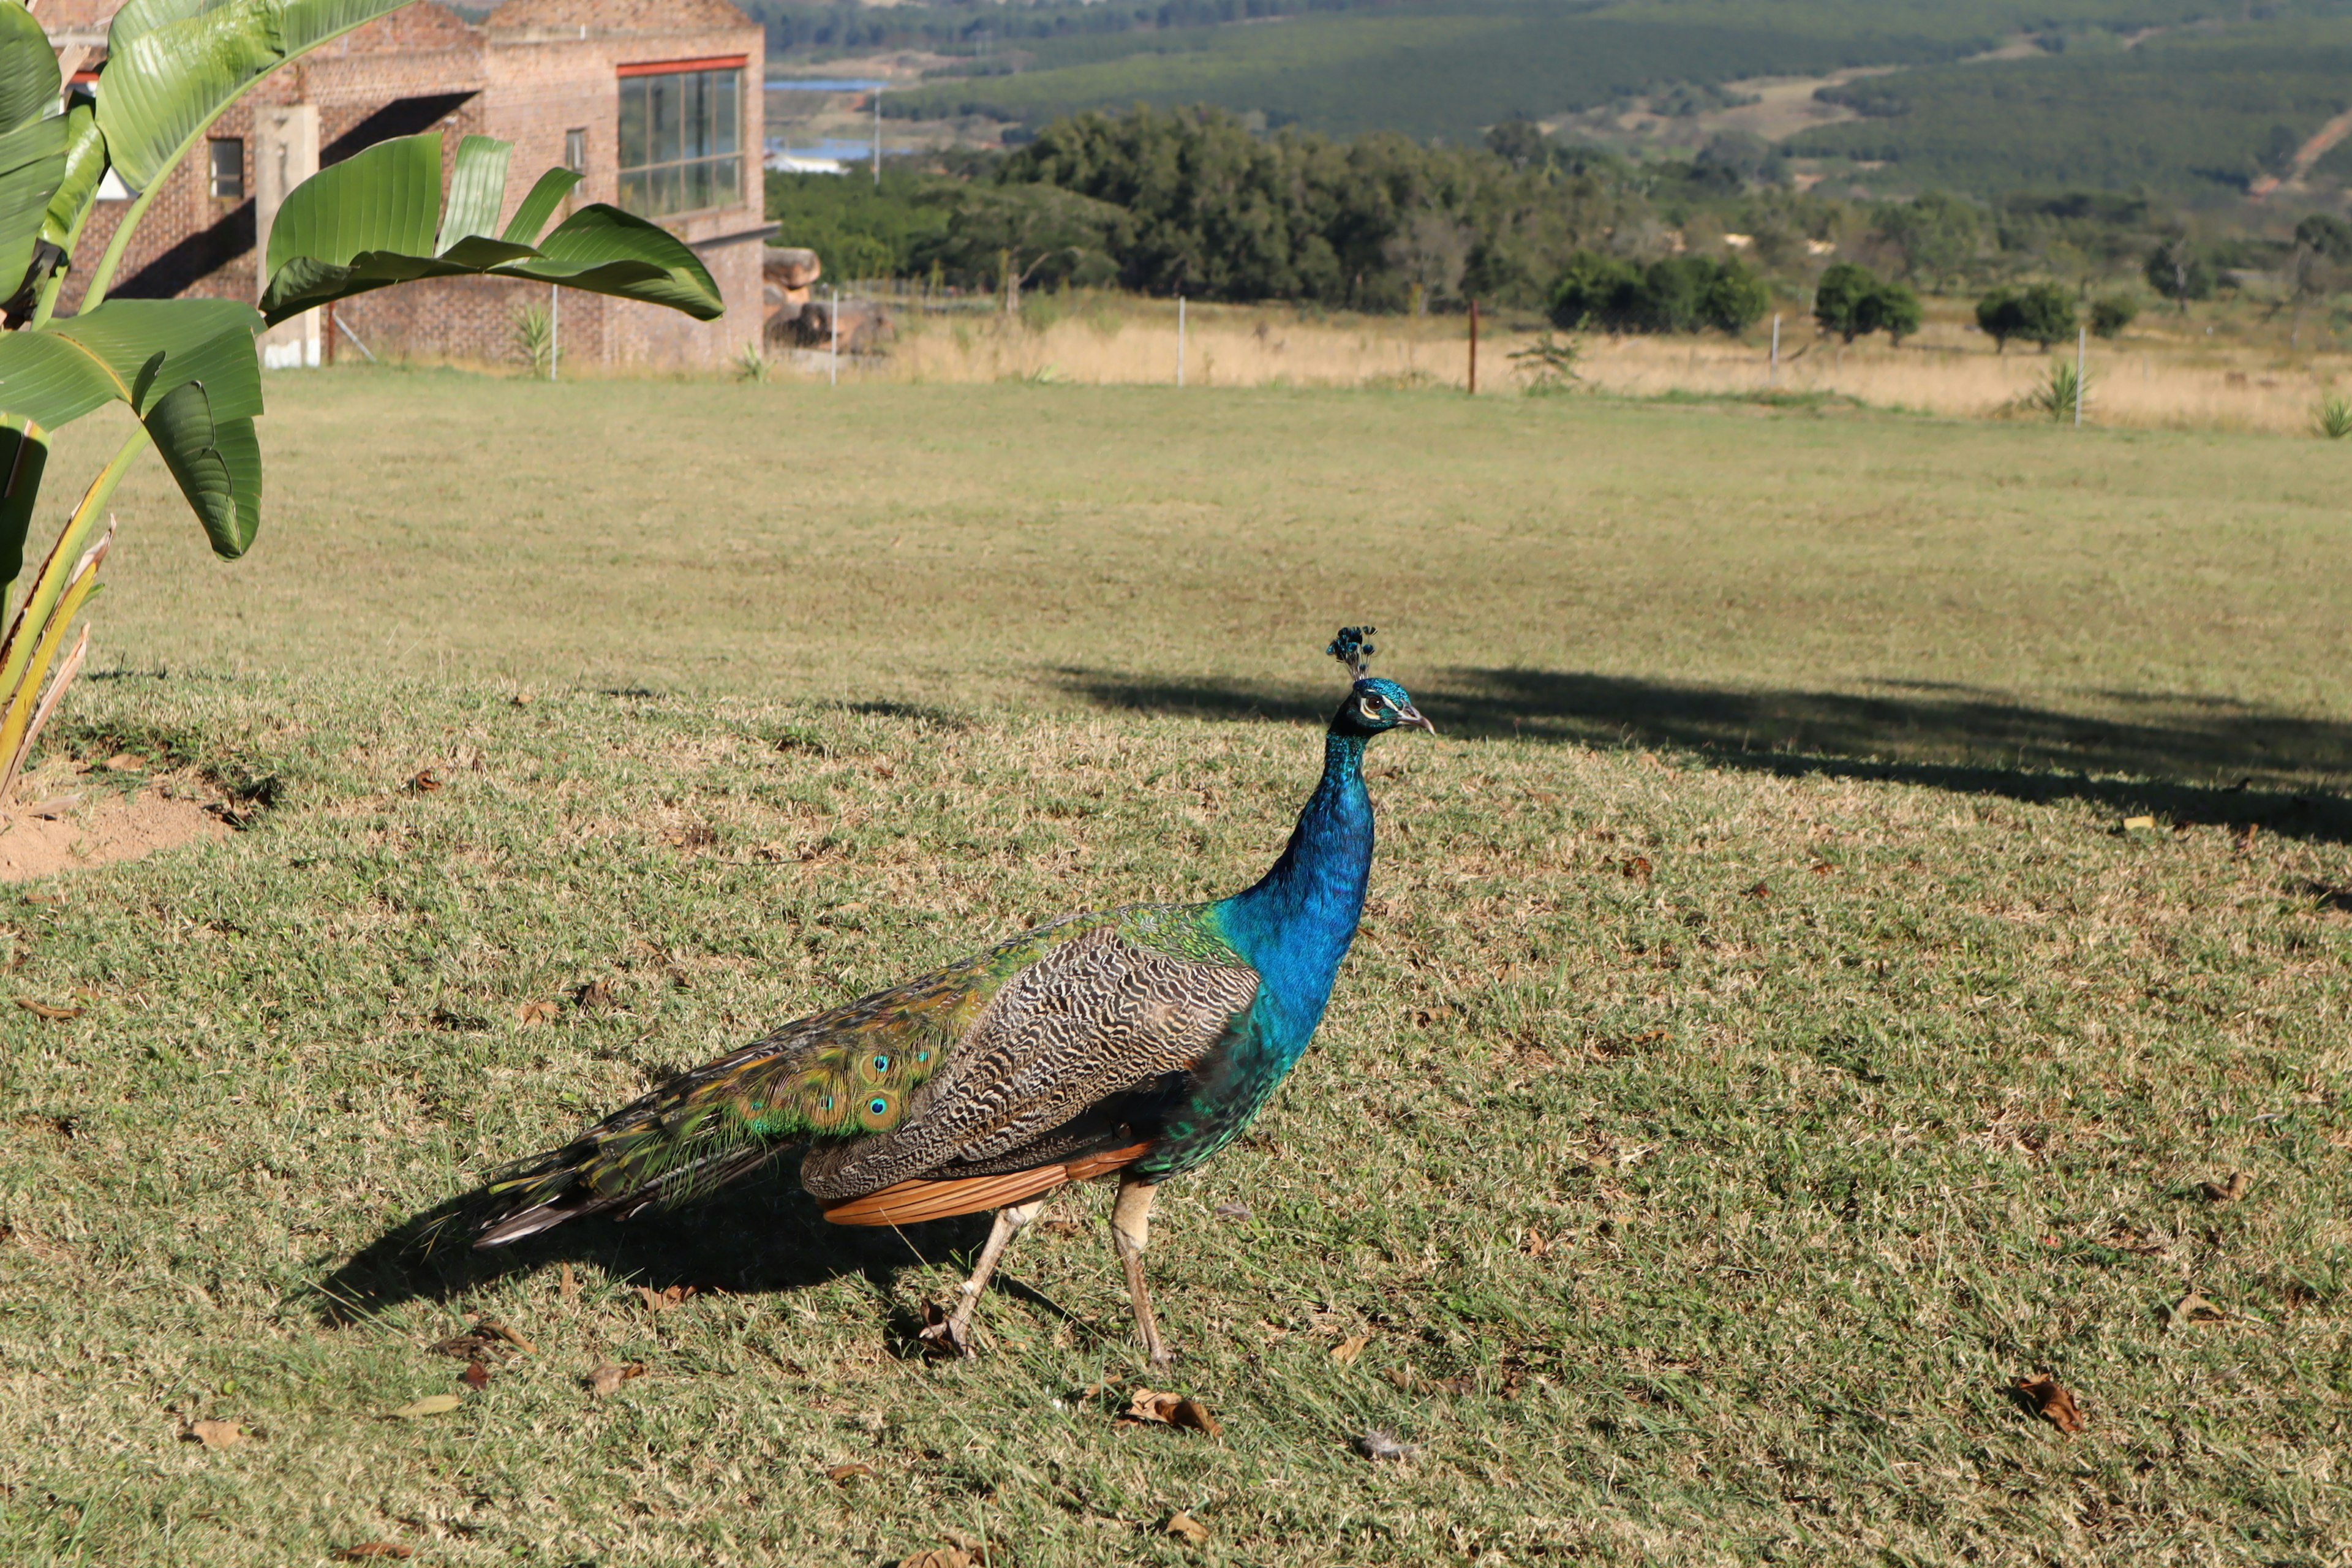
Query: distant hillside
{"type": "Point", "coordinates": [2176, 94]}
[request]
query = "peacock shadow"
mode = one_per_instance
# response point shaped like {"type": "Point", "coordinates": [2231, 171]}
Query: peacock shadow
{"type": "Point", "coordinates": [761, 1237]}
{"type": "Point", "coordinates": [2194, 760]}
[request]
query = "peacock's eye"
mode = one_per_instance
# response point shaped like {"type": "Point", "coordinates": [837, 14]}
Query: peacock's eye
{"type": "Point", "coordinates": [1370, 708]}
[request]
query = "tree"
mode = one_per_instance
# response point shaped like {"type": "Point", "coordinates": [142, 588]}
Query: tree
{"type": "Point", "coordinates": [1842, 299]}
{"type": "Point", "coordinates": [2113, 314]}
{"type": "Point", "coordinates": [1999, 317]}
{"type": "Point", "coordinates": [1010, 235]}
{"type": "Point", "coordinates": [1933, 237]}
{"type": "Point", "coordinates": [2177, 271]}
{"type": "Point", "coordinates": [188, 369]}
{"type": "Point", "coordinates": [1597, 291]}
{"type": "Point", "coordinates": [1678, 294]}
{"type": "Point", "coordinates": [2041, 312]}
{"type": "Point", "coordinates": [1519, 141]}
{"type": "Point", "coordinates": [1853, 302]}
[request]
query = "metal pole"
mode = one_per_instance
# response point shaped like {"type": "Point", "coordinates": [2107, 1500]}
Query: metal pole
{"type": "Point", "coordinates": [877, 138]}
{"type": "Point", "coordinates": [1774, 379]}
{"type": "Point", "coordinates": [554, 329]}
{"type": "Point", "coordinates": [1474, 348]}
{"type": "Point", "coordinates": [1180, 340]}
{"type": "Point", "coordinates": [832, 377]}
{"type": "Point", "coordinates": [2082, 347]}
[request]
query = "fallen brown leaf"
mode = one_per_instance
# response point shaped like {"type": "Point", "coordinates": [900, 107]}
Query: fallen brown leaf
{"type": "Point", "coordinates": [841, 1473]}
{"type": "Point", "coordinates": [1638, 867]}
{"type": "Point", "coordinates": [216, 1433]}
{"type": "Point", "coordinates": [476, 1376]}
{"type": "Point", "coordinates": [2227, 1191]}
{"type": "Point", "coordinates": [938, 1557]}
{"type": "Point", "coordinates": [664, 1299]}
{"type": "Point", "coordinates": [493, 1327]}
{"type": "Point", "coordinates": [125, 762]}
{"type": "Point", "coordinates": [596, 994]}
{"type": "Point", "coordinates": [568, 1286]}
{"type": "Point", "coordinates": [368, 1549]}
{"type": "Point", "coordinates": [44, 1010]}
{"type": "Point", "coordinates": [2053, 1400]}
{"type": "Point", "coordinates": [1186, 1529]}
{"type": "Point", "coordinates": [1172, 1410]}
{"type": "Point", "coordinates": [431, 1404]}
{"type": "Point", "coordinates": [426, 781]}
{"type": "Point", "coordinates": [1760, 890]}
{"type": "Point", "coordinates": [1824, 869]}
{"type": "Point", "coordinates": [1535, 1246]}
{"type": "Point", "coordinates": [533, 1014]}
{"type": "Point", "coordinates": [1346, 1351]}
{"type": "Point", "coordinates": [54, 808]}
{"type": "Point", "coordinates": [2193, 1308]}
{"type": "Point", "coordinates": [608, 1378]}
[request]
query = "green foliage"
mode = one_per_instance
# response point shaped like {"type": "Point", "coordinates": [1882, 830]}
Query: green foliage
{"type": "Point", "coordinates": [1678, 294]}
{"type": "Point", "coordinates": [2042, 312]}
{"type": "Point", "coordinates": [530, 342]}
{"type": "Point", "coordinates": [1853, 302]}
{"type": "Point", "coordinates": [2060, 393]}
{"type": "Point", "coordinates": [1548, 365]}
{"type": "Point", "coordinates": [858, 230]}
{"type": "Point", "coordinates": [2113, 314]}
{"type": "Point", "coordinates": [376, 219]}
{"type": "Point", "coordinates": [753, 365]}
{"type": "Point", "coordinates": [2332, 417]}
{"type": "Point", "coordinates": [2179, 271]}
{"type": "Point", "coordinates": [2195, 111]}
{"type": "Point", "coordinates": [1934, 237]}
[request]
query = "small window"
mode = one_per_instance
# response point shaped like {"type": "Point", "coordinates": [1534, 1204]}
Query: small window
{"type": "Point", "coordinates": [576, 151]}
{"type": "Point", "coordinates": [228, 167]}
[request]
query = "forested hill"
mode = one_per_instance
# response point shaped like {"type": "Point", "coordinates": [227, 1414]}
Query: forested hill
{"type": "Point", "coordinates": [1978, 94]}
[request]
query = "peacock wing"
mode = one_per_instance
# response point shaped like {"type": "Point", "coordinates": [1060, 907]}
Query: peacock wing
{"type": "Point", "coordinates": [1117, 1006]}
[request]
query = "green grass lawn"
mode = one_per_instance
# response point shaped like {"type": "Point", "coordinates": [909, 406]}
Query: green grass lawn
{"type": "Point", "coordinates": [1765, 1043]}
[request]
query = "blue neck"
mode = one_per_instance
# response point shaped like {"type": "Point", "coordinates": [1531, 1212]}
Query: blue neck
{"type": "Point", "coordinates": [1295, 926]}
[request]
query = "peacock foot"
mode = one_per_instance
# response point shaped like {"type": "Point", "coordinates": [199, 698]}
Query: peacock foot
{"type": "Point", "coordinates": [943, 1336]}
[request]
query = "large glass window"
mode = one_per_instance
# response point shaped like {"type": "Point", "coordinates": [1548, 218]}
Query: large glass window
{"type": "Point", "coordinates": [681, 133]}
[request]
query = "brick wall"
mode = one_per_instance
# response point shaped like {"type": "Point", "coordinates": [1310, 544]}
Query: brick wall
{"type": "Point", "coordinates": [553, 69]}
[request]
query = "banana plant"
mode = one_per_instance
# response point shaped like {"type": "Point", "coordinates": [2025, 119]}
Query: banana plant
{"type": "Point", "coordinates": [187, 369]}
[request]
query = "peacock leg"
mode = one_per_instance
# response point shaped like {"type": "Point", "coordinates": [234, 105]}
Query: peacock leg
{"type": "Point", "coordinates": [1130, 1231]}
{"type": "Point", "coordinates": [952, 1333]}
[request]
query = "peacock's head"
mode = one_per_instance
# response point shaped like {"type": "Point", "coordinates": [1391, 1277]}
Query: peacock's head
{"type": "Point", "coordinates": [1375, 705]}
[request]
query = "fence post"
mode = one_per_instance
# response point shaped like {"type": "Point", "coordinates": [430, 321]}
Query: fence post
{"type": "Point", "coordinates": [832, 373]}
{"type": "Point", "coordinates": [554, 329]}
{"type": "Point", "coordinates": [1180, 340]}
{"type": "Point", "coordinates": [1474, 348]}
{"type": "Point", "coordinates": [2081, 348]}
{"type": "Point", "coordinates": [1773, 379]}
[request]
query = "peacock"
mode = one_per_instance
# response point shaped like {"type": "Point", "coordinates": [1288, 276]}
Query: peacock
{"type": "Point", "coordinates": [1134, 1044]}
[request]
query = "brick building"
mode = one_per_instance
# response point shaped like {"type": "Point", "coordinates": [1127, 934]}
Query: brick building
{"type": "Point", "coordinates": [657, 102]}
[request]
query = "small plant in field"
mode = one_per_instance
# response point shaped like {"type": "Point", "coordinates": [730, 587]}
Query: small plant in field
{"type": "Point", "coordinates": [753, 365]}
{"type": "Point", "coordinates": [2332, 417]}
{"type": "Point", "coordinates": [2112, 315]}
{"type": "Point", "coordinates": [533, 344]}
{"type": "Point", "coordinates": [2056, 397]}
{"type": "Point", "coordinates": [1549, 366]}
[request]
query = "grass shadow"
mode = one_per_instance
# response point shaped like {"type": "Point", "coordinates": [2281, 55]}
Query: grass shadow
{"type": "Point", "coordinates": [2192, 760]}
{"type": "Point", "coordinates": [762, 1237]}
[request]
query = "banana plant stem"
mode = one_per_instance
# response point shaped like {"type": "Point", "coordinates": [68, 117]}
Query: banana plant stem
{"type": "Point", "coordinates": [25, 633]}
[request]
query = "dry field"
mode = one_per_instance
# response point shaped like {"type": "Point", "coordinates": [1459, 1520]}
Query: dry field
{"type": "Point", "coordinates": [2168, 373]}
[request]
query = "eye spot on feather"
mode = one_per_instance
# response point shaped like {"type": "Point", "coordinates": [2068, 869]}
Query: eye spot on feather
{"type": "Point", "coordinates": [875, 1112]}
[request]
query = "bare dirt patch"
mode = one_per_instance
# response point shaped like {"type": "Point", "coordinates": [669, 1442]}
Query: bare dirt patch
{"type": "Point", "coordinates": [43, 838]}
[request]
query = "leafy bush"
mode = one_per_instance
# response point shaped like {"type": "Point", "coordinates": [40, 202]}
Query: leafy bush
{"type": "Point", "coordinates": [1678, 294]}
{"type": "Point", "coordinates": [2178, 271]}
{"type": "Point", "coordinates": [1550, 365]}
{"type": "Point", "coordinates": [2332, 417]}
{"type": "Point", "coordinates": [2039, 311]}
{"type": "Point", "coordinates": [1853, 302]}
{"type": "Point", "coordinates": [2060, 393]}
{"type": "Point", "coordinates": [2111, 314]}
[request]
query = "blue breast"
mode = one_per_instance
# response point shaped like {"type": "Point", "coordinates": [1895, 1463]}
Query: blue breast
{"type": "Point", "coordinates": [1294, 927]}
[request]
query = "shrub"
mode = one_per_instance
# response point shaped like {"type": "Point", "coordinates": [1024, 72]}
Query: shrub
{"type": "Point", "coordinates": [1679, 294]}
{"type": "Point", "coordinates": [2112, 315]}
{"type": "Point", "coordinates": [2040, 311]}
{"type": "Point", "coordinates": [2177, 272]}
{"type": "Point", "coordinates": [1854, 302]}
{"type": "Point", "coordinates": [2332, 417]}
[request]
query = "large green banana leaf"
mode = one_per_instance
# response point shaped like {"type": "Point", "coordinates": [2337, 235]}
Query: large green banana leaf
{"type": "Point", "coordinates": [29, 84]}
{"type": "Point", "coordinates": [32, 139]}
{"type": "Point", "coordinates": [173, 64]}
{"type": "Point", "coordinates": [376, 219]}
{"type": "Point", "coordinates": [187, 369]}
{"type": "Point", "coordinates": [24, 454]}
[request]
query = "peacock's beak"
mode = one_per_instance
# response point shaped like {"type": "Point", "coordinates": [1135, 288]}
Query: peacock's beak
{"type": "Point", "coordinates": [1411, 715]}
